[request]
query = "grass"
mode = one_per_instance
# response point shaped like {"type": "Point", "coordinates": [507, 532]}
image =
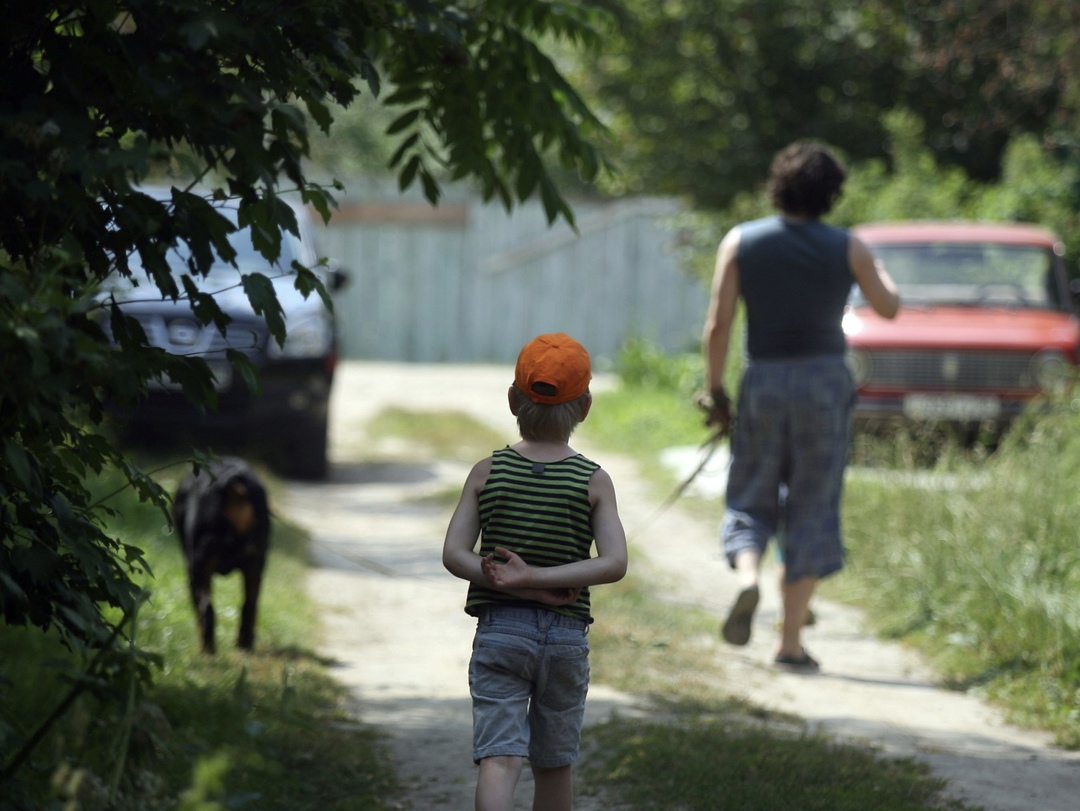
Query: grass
{"type": "Point", "coordinates": [702, 759]}
{"type": "Point", "coordinates": [649, 647]}
{"type": "Point", "coordinates": [980, 571]}
{"type": "Point", "coordinates": [967, 555]}
{"type": "Point", "coordinates": [266, 730]}
{"type": "Point", "coordinates": [424, 434]}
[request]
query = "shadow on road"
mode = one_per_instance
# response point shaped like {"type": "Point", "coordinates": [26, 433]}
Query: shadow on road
{"type": "Point", "coordinates": [392, 472]}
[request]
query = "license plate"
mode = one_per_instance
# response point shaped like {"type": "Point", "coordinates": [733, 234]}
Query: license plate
{"type": "Point", "coordinates": [952, 407]}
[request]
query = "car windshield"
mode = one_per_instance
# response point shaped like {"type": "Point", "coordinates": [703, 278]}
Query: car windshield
{"type": "Point", "coordinates": [248, 260]}
{"type": "Point", "coordinates": [973, 274]}
{"type": "Point", "coordinates": [222, 274]}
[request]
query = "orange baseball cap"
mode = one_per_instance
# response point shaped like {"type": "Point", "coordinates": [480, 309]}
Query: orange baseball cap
{"type": "Point", "coordinates": [552, 369]}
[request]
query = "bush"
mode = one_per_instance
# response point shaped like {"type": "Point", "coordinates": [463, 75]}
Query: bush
{"type": "Point", "coordinates": [641, 364]}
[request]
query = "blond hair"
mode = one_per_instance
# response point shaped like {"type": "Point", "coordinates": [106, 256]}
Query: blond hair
{"type": "Point", "coordinates": [538, 422]}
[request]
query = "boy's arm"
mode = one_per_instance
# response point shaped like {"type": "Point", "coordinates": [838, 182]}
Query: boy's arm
{"type": "Point", "coordinates": [464, 528]}
{"type": "Point", "coordinates": [459, 556]}
{"type": "Point", "coordinates": [608, 566]}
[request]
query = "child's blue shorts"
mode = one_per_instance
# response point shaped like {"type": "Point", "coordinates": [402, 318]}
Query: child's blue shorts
{"type": "Point", "coordinates": [528, 678]}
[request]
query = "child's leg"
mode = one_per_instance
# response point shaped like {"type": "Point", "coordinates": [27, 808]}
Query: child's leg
{"type": "Point", "coordinates": [505, 654]}
{"type": "Point", "coordinates": [554, 788]}
{"type": "Point", "coordinates": [497, 781]}
{"type": "Point", "coordinates": [557, 713]}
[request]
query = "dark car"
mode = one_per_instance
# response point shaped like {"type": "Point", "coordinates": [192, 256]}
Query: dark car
{"type": "Point", "coordinates": [287, 423]}
{"type": "Point", "coordinates": [987, 324]}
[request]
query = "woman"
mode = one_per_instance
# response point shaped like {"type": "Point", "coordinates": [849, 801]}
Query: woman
{"type": "Point", "coordinates": [794, 274]}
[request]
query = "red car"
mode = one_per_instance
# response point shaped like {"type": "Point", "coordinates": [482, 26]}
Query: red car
{"type": "Point", "coordinates": [987, 323]}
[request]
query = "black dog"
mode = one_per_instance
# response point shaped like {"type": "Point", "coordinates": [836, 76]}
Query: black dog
{"type": "Point", "coordinates": [223, 521]}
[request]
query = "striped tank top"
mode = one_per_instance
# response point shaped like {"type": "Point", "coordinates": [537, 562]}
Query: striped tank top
{"type": "Point", "coordinates": [540, 511]}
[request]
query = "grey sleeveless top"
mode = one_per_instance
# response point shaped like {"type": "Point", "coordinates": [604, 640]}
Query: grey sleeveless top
{"type": "Point", "coordinates": [795, 279]}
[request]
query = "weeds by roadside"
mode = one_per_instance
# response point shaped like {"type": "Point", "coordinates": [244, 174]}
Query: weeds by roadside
{"type": "Point", "coordinates": [977, 566]}
{"type": "Point", "coordinates": [701, 757]}
{"type": "Point", "coordinates": [966, 554]}
{"type": "Point", "coordinates": [267, 730]}
{"type": "Point", "coordinates": [698, 748]}
{"type": "Point", "coordinates": [270, 730]}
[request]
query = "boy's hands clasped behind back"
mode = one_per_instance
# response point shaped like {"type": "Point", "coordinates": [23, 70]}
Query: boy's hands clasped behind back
{"type": "Point", "coordinates": [515, 576]}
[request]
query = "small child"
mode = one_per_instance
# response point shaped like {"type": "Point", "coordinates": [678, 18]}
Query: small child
{"type": "Point", "coordinates": [537, 507]}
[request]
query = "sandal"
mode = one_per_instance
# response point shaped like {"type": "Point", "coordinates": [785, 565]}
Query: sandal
{"type": "Point", "coordinates": [736, 630]}
{"type": "Point", "coordinates": [803, 663]}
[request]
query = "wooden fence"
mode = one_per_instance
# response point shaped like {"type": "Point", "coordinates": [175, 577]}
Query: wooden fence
{"type": "Point", "coordinates": [467, 282]}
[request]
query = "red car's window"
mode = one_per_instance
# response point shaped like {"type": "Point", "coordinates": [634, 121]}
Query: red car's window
{"type": "Point", "coordinates": [969, 274]}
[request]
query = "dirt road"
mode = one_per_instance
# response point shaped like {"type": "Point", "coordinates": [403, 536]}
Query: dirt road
{"type": "Point", "coordinates": [395, 627]}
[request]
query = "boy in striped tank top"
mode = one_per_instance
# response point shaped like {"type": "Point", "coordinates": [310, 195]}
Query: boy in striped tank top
{"type": "Point", "coordinates": [536, 508]}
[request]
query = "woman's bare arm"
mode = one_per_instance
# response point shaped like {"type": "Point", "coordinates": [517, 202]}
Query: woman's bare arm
{"type": "Point", "coordinates": [873, 279]}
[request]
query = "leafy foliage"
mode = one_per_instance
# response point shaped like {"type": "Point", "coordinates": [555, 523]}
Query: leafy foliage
{"type": "Point", "coordinates": [699, 96]}
{"type": "Point", "coordinates": [641, 364]}
{"type": "Point", "coordinates": [269, 729]}
{"type": "Point", "coordinates": [990, 71]}
{"type": "Point", "coordinates": [217, 98]}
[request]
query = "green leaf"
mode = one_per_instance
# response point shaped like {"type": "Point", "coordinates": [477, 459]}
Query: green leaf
{"type": "Point", "coordinates": [431, 187]}
{"type": "Point", "coordinates": [19, 464]}
{"type": "Point", "coordinates": [194, 377]}
{"type": "Point", "coordinates": [408, 174]}
{"type": "Point", "coordinates": [260, 292]}
{"type": "Point", "coordinates": [405, 146]}
{"type": "Point", "coordinates": [308, 282]}
{"type": "Point", "coordinates": [320, 200]}
{"type": "Point", "coordinates": [403, 122]}
{"type": "Point", "coordinates": [320, 112]}
{"type": "Point", "coordinates": [528, 177]}
{"type": "Point", "coordinates": [289, 117]}
{"type": "Point", "coordinates": [246, 369]}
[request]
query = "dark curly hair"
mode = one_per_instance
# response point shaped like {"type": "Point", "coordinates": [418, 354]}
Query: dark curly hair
{"type": "Point", "coordinates": [805, 179]}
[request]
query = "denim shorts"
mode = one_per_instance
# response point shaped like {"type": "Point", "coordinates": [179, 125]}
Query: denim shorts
{"type": "Point", "coordinates": [528, 678]}
{"type": "Point", "coordinates": [788, 456]}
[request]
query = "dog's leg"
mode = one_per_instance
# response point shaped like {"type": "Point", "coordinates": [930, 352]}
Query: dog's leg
{"type": "Point", "coordinates": [204, 609]}
{"type": "Point", "coordinates": [252, 584]}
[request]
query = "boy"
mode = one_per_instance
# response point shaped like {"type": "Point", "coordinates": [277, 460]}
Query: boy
{"type": "Point", "coordinates": [537, 507]}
